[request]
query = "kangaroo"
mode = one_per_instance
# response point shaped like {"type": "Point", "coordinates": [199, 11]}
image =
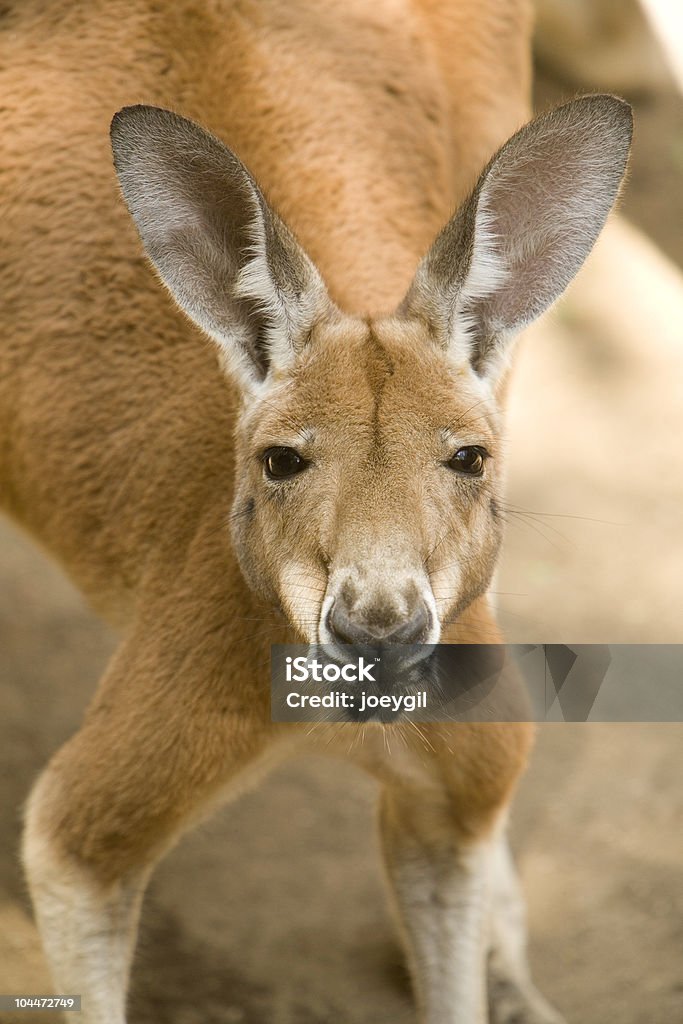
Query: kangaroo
{"type": "Point", "coordinates": [318, 439]}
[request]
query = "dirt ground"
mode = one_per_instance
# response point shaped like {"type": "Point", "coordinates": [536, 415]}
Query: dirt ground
{"type": "Point", "coordinates": [274, 912]}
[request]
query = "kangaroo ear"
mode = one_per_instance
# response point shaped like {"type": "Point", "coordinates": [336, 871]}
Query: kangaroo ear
{"type": "Point", "coordinates": [225, 256]}
{"type": "Point", "coordinates": [516, 243]}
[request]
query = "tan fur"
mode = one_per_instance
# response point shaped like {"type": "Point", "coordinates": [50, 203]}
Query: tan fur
{"type": "Point", "coordinates": [116, 423]}
{"type": "Point", "coordinates": [364, 124]}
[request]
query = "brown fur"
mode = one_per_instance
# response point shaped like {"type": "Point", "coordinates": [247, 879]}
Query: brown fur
{"type": "Point", "coordinates": [118, 431]}
{"type": "Point", "coordinates": [115, 421]}
{"type": "Point", "coordinates": [365, 190]}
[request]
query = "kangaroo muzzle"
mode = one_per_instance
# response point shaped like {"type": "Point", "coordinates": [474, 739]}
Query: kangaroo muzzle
{"type": "Point", "coordinates": [378, 623]}
{"type": "Point", "coordinates": [356, 612]}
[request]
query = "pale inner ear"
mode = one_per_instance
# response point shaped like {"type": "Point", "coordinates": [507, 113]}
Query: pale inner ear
{"type": "Point", "coordinates": [487, 274]}
{"type": "Point", "coordinates": [532, 219]}
{"type": "Point", "coordinates": [288, 307]}
{"type": "Point", "coordinates": [224, 255]}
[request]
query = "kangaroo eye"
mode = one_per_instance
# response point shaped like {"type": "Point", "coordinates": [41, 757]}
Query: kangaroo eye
{"type": "Point", "coordinates": [280, 463]}
{"type": "Point", "coordinates": [468, 460]}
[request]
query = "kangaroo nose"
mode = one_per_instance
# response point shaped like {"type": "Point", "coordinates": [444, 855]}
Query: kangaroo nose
{"type": "Point", "coordinates": [349, 626]}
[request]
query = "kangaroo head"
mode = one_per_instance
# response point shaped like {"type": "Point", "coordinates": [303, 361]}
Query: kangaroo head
{"type": "Point", "coordinates": [369, 450]}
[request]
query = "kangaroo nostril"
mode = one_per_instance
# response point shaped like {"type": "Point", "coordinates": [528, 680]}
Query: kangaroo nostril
{"type": "Point", "coordinates": [352, 627]}
{"type": "Point", "coordinates": [415, 629]}
{"type": "Point", "coordinates": [342, 627]}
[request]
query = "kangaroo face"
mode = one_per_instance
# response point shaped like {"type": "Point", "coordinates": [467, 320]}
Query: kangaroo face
{"type": "Point", "coordinates": [368, 477]}
{"type": "Point", "coordinates": [368, 456]}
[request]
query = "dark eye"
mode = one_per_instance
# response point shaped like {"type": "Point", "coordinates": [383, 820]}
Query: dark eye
{"type": "Point", "coordinates": [281, 463]}
{"type": "Point", "coordinates": [468, 460]}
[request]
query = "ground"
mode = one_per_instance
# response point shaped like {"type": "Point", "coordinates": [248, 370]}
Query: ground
{"type": "Point", "coordinates": [274, 912]}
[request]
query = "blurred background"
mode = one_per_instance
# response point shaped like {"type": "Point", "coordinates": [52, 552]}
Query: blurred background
{"type": "Point", "coordinates": [274, 911]}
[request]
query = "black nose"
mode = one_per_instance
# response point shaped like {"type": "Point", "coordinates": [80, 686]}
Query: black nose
{"type": "Point", "coordinates": [378, 625]}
